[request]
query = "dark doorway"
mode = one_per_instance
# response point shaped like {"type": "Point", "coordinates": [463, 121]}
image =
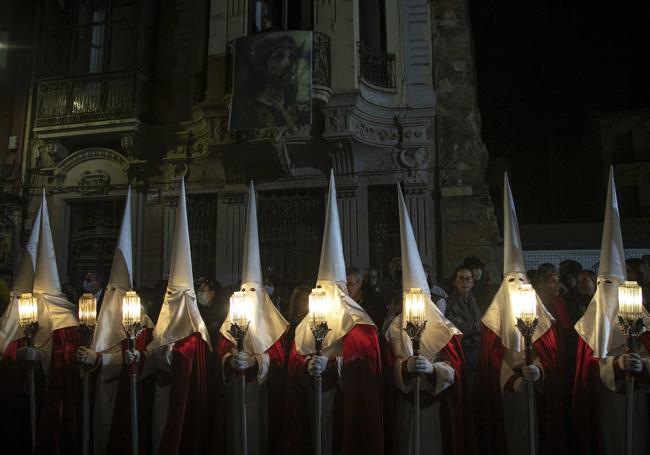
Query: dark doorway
{"type": "Point", "coordinates": [383, 233]}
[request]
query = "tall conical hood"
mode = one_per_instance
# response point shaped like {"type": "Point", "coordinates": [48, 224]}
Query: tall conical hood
{"type": "Point", "coordinates": [25, 278]}
{"type": "Point", "coordinates": [499, 317]}
{"type": "Point", "coordinates": [413, 275]}
{"type": "Point", "coordinates": [612, 256]}
{"type": "Point", "coordinates": [9, 321]}
{"type": "Point", "coordinates": [180, 273]}
{"type": "Point", "coordinates": [46, 277]}
{"type": "Point", "coordinates": [513, 258]}
{"type": "Point", "coordinates": [344, 312]}
{"type": "Point", "coordinates": [109, 332]}
{"type": "Point", "coordinates": [267, 323]}
{"type": "Point", "coordinates": [122, 268]}
{"type": "Point", "coordinates": [179, 315]}
{"type": "Point", "coordinates": [252, 270]}
{"type": "Point", "coordinates": [332, 265]}
{"type": "Point", "coordinates": [598, 327]}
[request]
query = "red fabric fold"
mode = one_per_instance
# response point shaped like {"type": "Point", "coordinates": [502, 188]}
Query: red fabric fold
{"type": "Point", "coordinates": [186, 430]}
{"type": "Point", "coordinates": [456, 424]}
{"type": "Point", "coordinates": [119, 440]}
{"type": "Point", "coordinates": [275, 381]}
{"type": "Point", "coordinates": [60, 424]}
{"type": "Point", "coordinates": [358, 410]}
{"type": "Point", "coordinates": [550, 403]}
{"type": "Point", "coordinates": [586, 419]}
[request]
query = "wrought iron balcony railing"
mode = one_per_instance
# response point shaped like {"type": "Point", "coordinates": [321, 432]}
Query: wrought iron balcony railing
{"type": "Point", "coordinates": [93, 97]}
{"type": "Point", "coordinates": [376, 67]}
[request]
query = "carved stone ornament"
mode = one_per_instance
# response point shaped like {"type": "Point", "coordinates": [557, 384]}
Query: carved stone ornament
{"type": "Point", "coordinates": [416, 157]}
{"type": "Point", "coordinates": [96, 182]}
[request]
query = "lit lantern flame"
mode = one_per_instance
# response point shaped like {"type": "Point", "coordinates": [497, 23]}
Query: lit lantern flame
{"type": "Point", "coordinates": [524, 303]}
{"type": "Point", "coordinates": [27, 309]}
{"type": "Point", "coordinates": [319, 305]}
{"type": "Point", "coordinates": [241, 309]}
{"type": "Point", "coordinates": [131, 309]}
{"type": "Point", "coordinates": [630, 300]}
{"type": "Point", "coordinates": [88, 310]}
{"type": "Point", "coordinates": [414, 302]}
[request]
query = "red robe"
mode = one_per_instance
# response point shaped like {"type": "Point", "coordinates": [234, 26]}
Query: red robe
{"type": "Point", "coordinates": [585, 399]}
{"type": "Point", "coordinates": [358, 409]}
{"type": "Point", "coordinates": [456, 418]}
{"type": "Point", "coordinates": [275, 381]}
{"type": "Point", "coordinates": [550, 411]}
{"type": "Point", "coordinates": [60, 424]}
{"type": "Point", "coordinates": [186, 430]}
{"type": "Point", "coordinates": [119, 440]}
{"type": "Point", "coordinates": [14, 411]}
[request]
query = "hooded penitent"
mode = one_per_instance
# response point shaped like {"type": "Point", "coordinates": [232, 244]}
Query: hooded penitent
{"type": "Point", "coordinates": [499, 317]}
{"type": "Point", "coordinates": [439, 330]}
{"type": "Point", "coordinates": [599, 391]}
{"type": "Point", "coordinates": [109, 331]}
{"type": "Point", "coordinates": [598, 326]}
{"type": "Point", "coordinates": [10, 321]}
{"type": "Point", "coordinates": [54, 310]}
{"type": "Point", "coordinates": [179, 316]}
{"type": "Point", "coordinates": [502, 427]}
{"type": "Point", "coordinates": [267, 324]}
{"type": "Point", "coordinates": [344, 313]}
{"type": "Point", "coordinates": [440, 344]}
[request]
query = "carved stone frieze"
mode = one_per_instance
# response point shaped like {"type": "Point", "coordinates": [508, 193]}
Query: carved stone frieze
{"type": "Point", "coordinates": [416, 157]}
{"type": "Point", "coordinates": [94, 182]}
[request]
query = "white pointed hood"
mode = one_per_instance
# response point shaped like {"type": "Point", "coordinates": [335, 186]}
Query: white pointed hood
{"type": "Point", "coordinates": [439, 330]}
{"type": "Point", "coordinates": [345, 312]}
{"type": "Point", "coordinates": [598, 326]}
{"type": "Point", "coordinates": [10, 321]}
{"type": "Point", "coordinates": [267, 324]}
{"type": "Point", "coordinates": [109, 331]}
{"type": "Point", "coordinates": [179, 316]}
{"type": "Point", "coordinates": [499, 317]}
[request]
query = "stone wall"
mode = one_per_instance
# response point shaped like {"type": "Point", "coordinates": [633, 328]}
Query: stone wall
{"type": "Point", "coordinates": [468, 223]}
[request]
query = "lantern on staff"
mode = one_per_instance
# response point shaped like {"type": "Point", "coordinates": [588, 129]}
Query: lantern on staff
{"type": "Point", "coordinates": [87, 315]}
{"type": "Point", "coordinates": [414, 303]}
{"type": "Point", "coordinates": [131, 316]}
{"type": "Point", "coordinates": [319, 307]}
{"type": "Point", "coordinates": [28, 315]}
{"type": "Point", "coordinates": [630, 312]}
{"type": "Point", "coordinates": [241, 314]}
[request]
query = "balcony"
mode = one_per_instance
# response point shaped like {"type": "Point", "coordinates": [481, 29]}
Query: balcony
{"type": "Point", "coordinates": [92, 98]}
{"type": "Point", "coordinates": [376, 67]}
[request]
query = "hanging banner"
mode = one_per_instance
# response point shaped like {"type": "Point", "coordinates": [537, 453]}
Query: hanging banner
{"type": "Point", "coordinates": [272, 77]}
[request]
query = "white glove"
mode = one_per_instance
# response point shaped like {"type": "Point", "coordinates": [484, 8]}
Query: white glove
{"type": "Point", "coordinates": [631, 363]}
{"type": "Point", "coordinates": [242, 360]}
{"type": "Point", "coordinates": [132, 356]}
{"type": "Point", "coordinates": [531, 373]}
{"type": "Point", "coordinates": [419, 364]}
{"type": "Point", "coordinates": [317, 365]}
{"type": "Point", "coordinates": [28, 354]}
{"type": "Point", "coordinates": [86, 356]}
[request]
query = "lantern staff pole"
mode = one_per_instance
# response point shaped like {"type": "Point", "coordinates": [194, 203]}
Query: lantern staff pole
{"type": "Point", "coordinates": [527, 328]}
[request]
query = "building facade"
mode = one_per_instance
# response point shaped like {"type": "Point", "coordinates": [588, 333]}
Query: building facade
{"type": "Point", "coordinates": [127, 92]}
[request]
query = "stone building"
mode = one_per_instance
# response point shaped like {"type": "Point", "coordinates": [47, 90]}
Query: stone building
{"type": "Point", "coordinates": [138, 92]}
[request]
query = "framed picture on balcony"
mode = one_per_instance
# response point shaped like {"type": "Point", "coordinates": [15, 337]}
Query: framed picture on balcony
{"type": "Point", "coordinates": [272, 79]}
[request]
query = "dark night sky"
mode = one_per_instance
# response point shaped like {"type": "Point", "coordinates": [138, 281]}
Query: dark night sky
{"type": "Point", "coordinates": [544, 67]}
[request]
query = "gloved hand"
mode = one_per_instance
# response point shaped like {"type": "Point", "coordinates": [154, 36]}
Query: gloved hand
{"type": "Point", "coordinates": [132, 356]}
{"type": "Point", "coordinates": [419, 364]}
{"type": "Point", "coordinates": [317, 365]}
{"type": "Point", "coordinates": [242, 360]}
{"type": "Point", "coordinates": [27, 354]}
{"type": "Point", "coordinates": [86, 356]}
{"type": "Point", "coordinates": [531, 373]}
{"type": "Point", "coordinates": [631, 363]}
